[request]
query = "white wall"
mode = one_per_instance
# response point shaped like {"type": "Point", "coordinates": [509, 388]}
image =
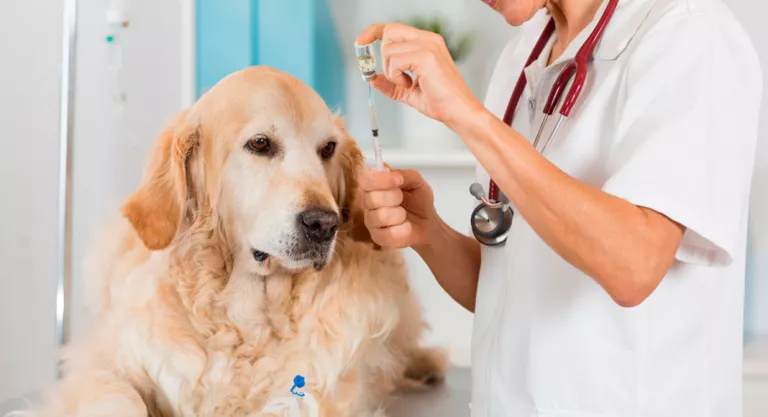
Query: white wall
{"type": "Point", "coordinates": [30, 52]}
{"type": "Point", "coordinates": [108, 157]}
{"type": "Point", "coordinates": [111, 149]}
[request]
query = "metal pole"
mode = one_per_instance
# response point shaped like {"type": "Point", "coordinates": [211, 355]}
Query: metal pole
{"type": "Point", "coordinates": [66, 132]}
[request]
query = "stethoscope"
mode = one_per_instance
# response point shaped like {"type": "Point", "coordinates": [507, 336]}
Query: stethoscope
{"type": "Point", "coordinates": [492, 218]}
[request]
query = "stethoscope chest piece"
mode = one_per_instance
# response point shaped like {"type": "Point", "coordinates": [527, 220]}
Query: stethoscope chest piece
{"type": "Point", "coordinates": [491, 225]}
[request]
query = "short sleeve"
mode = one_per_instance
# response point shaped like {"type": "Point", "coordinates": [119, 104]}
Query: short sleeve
{"type": "Point", "coordinates": [687, 135]}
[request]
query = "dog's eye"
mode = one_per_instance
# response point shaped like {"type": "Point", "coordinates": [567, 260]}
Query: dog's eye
{"type": "Point", "coordinates": [328, 150]}
{"type": "Point", "coordinates": [259, 144]}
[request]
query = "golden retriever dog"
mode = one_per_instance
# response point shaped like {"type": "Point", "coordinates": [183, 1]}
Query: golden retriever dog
{"type": "Point", "coordinates": [233, 269]}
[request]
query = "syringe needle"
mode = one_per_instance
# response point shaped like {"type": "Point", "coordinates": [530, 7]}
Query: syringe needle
{"type": "Point", "coordinates": [367, 64]}
{"type": "Point", "coordinates": [375, 130]}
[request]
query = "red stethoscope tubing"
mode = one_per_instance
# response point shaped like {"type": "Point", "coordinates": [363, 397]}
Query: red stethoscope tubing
{"type": "Point", "coordinates": [577, 67]}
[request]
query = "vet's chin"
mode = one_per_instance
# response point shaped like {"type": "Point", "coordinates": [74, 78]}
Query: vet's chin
{"type": "Point", "coordinates": [311, 245]}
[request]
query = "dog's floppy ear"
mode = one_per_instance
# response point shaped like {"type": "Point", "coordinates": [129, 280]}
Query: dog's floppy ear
{"type": "Point", "coordinates": [157, 208]}
{"type": "Point", "coordinates": [351, 162]}
{"type": "Point", "coordinates": [348, 194]}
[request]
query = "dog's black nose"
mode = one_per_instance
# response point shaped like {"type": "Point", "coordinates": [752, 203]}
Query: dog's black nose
{"type": "Point", "coordinates": [319, 225]}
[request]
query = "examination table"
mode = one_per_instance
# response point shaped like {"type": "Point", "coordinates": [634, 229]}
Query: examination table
{"type": "Point", "coordinates": [450, 399]}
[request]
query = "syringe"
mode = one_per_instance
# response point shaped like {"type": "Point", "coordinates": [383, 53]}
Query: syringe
{"type": "Point", "coordinates": [375, 130]}
{"type": "Point", "coordinates": [367, 64]}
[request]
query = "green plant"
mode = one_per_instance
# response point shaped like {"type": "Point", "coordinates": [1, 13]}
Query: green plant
{"type": "Point", "coordinates": [458, 45]}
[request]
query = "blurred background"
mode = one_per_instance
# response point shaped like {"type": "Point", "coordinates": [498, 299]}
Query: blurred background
{"type": "Point", "coordinates": [138, 62]}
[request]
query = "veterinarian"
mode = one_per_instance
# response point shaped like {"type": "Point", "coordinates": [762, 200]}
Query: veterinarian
{"type": "Point", "coordinates": [639, 200]}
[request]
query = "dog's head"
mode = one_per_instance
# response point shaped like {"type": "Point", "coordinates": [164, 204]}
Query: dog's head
{"type": "Point", "coordinates": [263, 157]}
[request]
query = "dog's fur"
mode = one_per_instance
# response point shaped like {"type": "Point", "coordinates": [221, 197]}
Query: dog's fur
{"type": "Point", "coordinates": [190, 323]}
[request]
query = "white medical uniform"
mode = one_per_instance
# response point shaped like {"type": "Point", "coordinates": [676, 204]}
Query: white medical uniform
{"type": "Point", "coordinates": [667, 120]}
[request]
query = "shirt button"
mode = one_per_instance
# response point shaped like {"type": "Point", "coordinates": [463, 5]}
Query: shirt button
{"type": "Point", "coordinates": [532, 104]}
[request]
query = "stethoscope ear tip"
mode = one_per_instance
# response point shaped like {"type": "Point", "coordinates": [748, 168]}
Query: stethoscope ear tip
{"type": "Point", "coordinates": [477, 191]}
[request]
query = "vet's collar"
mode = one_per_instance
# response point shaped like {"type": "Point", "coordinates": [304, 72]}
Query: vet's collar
{"type": "Point", "coordinates": [627, 20]}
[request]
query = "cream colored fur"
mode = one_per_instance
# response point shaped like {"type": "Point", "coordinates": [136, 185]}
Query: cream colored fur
{"type": "Point", "coordinates": [187, 323]}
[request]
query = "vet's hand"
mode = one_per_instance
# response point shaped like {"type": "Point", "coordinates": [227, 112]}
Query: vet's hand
{"type": "Point", "coordinates": [438, 91]}
{"type": "Point", "coordinates": [399, 207]}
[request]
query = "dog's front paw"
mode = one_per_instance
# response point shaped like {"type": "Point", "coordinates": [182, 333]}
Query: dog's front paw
{"type": "Point", "coordinates": [426, 368]}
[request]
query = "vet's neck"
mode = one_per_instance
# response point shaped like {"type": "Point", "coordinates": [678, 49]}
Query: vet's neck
{"type": "Point", "coordinates": [571, 17]}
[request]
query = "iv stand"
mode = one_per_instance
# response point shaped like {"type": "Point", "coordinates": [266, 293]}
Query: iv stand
{"type": "Point", "coordinates": [66, 135]}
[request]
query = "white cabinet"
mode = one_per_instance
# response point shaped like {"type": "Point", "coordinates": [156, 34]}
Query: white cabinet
{"type": "Point", "coordinates": [756, 379]}
{"type": "Point", "coordinates": [756, 396]}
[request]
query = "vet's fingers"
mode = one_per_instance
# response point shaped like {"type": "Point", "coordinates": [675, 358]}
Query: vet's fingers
{"type": "Point", "coordinates": [378, 199]}
{"type": "Point", "coordinates": [370, 180]}
{"type": "Point", "coordinates": [395, 49]}
{"type": "Point", "coordinates": [389, 89]}
{"type": "Point", "coordinates": [396, 236]}
{"type": "Point", "coordinates": [415, 62]}
{"type": "Point", "coordinates": [385, 217]}
{"type": "Point", "coordinates": [371, 33]}
{"type": "Point", "coordinates": [392, 32]}
{"type": "Point", "coordinates": [411, 179]}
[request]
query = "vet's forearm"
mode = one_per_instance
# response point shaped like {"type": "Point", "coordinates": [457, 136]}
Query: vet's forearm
{"type": "Point", "coordinates": [454, 259]}
{"type": "Point", "coordinates": [625, 248]}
